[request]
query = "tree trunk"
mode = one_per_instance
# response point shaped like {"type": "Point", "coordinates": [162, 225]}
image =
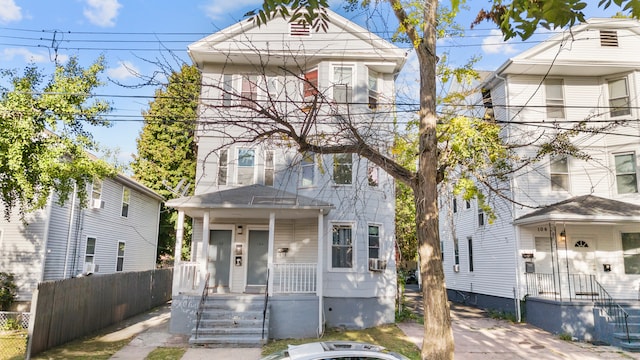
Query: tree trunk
{"type": "Point", "coordinates": [438, 337]}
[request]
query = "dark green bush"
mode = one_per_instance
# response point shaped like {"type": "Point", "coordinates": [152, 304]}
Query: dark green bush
{"type": "Point", "coordinates": [8, 291]}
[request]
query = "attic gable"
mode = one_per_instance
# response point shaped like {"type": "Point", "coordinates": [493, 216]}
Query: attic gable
{"type": "Point", "coordinates": [279, 40]}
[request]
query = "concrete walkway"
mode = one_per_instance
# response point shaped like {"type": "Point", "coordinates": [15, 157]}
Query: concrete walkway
{"type": "Point", "coordinates": [476, 337]}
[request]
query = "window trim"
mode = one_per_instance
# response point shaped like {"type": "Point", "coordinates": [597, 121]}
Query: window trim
{"type": "Point", "coordinates": [352, 226]}
{"type": "Point", "coordinates": [625, 253]}
{"type": "Point", "coordinates": [634, 173]}
{"type": "Point", "coordinates": [349, 88]}
{"type": "Point", "coordinates": [379, 226]}
{"type": "Point", "coordinates": [554, 185]}
{"type": "Point", "coordinates": [373, 174]}
{"type": "Point", "coordinates": [118, 256]}
{"type": "Point", "coordinates": [86, 243]}
{"type": "Point", "coordinates": [374, 93]}
{"type": "Point", "coordinates": [627, 107]}
{"type": "Point", "coordinates": [470, 252]}
{"type": "Point", "coordinates": [253, 177]}
{"type": "Point", "coordinates": [123, 213]}
{"type": "Point", "coordinates": [225, 167]}
{"type": "Point", "coordinates": [554, 104]}
{"type": "Point", "coordinates": [312, 165]}
{"type": "Point", "coordinates": [268, 167]}
{"type": "Point", "coordinates": [335, 164]}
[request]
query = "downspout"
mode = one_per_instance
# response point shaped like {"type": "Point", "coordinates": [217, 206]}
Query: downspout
{"type": "Point", "coordinates": [270, 246]}
{"type": "Point", "coordinates": [320, 274]}
{"type": "Point", "coordinates": [69, 230]}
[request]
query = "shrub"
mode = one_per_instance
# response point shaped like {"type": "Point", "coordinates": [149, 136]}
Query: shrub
{"type": "Point", "coordinates": [8, 290]}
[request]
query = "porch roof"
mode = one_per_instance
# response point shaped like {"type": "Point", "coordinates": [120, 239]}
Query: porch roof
{"type": "Point", "coordinates": [586, 208]}
{"type": "Point", "coordinates": [246, 198]}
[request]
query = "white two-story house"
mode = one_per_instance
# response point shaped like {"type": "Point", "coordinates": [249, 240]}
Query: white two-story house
{"type": "Point", "coordinates": [312, 234]}
{"type": "Point", "coordinates": [117, 230]}
{"type": "Point", "coordinates": [571, 238]}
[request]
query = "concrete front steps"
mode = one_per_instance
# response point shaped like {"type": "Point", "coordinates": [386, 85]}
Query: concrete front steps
{"type": "Point", "coordinates": [232, 321]}
{"type": "Point", "coordinates": [633, 321]}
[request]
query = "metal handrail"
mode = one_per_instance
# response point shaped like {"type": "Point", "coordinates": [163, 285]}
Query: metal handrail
{"type": "Point", "coordinates": [613, 309]}
{"type": "Point", "coordinates": [266, 302]}
{"type": "Point", "coordinates": [203, 299]}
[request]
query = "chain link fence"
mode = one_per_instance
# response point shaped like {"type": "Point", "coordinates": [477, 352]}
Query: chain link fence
{"type": "Point", "coordinates": [13, 334]}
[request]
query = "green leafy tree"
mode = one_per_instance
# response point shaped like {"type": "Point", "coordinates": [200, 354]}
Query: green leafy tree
{"type": "Point", "coordinates": [43, 142]}
{"type": "Point", "coordinates": [167, 148]}
{"type": "Point", "coordinates": [419, 25]}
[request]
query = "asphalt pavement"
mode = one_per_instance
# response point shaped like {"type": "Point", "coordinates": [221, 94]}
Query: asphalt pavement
{"type": "Point", "coordinates": [476, 336]}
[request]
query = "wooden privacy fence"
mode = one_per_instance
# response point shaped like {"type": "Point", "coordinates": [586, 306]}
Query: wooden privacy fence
{"type": "Point", "coordinates": [65, 310]}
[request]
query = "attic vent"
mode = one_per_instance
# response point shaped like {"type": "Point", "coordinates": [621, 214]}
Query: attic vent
{"type": "Point", "coordinates": [608, 38]}
{"type": "Point", "coordinates": [300, 29]}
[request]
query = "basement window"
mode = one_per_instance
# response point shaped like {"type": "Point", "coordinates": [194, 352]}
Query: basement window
{"type": "Point", "coordinates": [609, 38]}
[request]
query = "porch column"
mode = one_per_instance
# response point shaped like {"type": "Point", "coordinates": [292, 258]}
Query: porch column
{"type": "Point", "coordinates": [272, 231]}
{"type": "Point", "coordinates": [205, 244]}
{"type": "Point", "coordinates": [177, 253]}
{"type": "Point", "coordinates": [319, 273]}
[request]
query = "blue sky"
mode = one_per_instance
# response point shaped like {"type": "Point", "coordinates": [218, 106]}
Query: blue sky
{"type": "Point", "coordinates": [130, 33]}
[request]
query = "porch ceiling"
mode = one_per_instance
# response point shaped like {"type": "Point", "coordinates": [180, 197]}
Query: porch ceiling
{"type": "Point", "coordinates": [586, 208]}
{"type": "Point", "coordinates": [253, 201]}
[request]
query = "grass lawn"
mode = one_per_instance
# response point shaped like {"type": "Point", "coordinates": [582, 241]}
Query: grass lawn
{"type": "Point", "coordinates": [389, 336]}
{"type": "Point", "coordinates": [166, 353]}
{"type": "Point", "coordinates": [13, 344]}
{"type": "Point", "coordinates": [90, 348]}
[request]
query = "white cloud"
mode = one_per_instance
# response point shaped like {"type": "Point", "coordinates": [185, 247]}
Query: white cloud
{"type": "Point", "coordinates": [493, 44]}
{"type": "Point", "coordinates": [125, 70]}
{"type": "Point", "coordinates": [9, 11]}
{"type": "Point", "coordinates": [9, 54]}
{"type": "Point", "coordinates": [102, 12]}
{"type": "Point", "coordinates": [219, 9]}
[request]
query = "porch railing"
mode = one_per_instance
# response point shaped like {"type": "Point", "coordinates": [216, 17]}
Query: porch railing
{"type": "Point", "coordinates": [298, 278]}
{"type": "Point", "coordinates": [569, 287]}
{"type": "Point", "coordinates": [186, 277]}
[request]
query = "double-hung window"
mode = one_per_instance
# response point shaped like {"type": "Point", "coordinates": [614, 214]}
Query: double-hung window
{"type": "Point", "coordinates": [631, 252]}
{"type": "Point", "coordinates": [342, 247]}
{"type": "Point", "coordinates": [268, 167]}
{"type": "Point", "coordinates": [307, 169]}
{"type": "Point", "coordinates": [626, 176]}
{"type": "Point", "coordinates": [223, 160]}
{"type": "Point", "coordinates": [126, 199]}
{"type": "Point", "coordinates": [372, 174]}
{"type": "Point", "coordinates": [342, 169]}
{"type": "Point", "coordinates": [374, 242]}
{"type": "Point", "coordinates": [555, 98]}
{"type": "Point", "coordinates": [470, 250]}
{"type": "Point", "coordinates": [343, 84]}
{"type": "Point", "coordinates": [227, 89]}
{"type": "Point", "coordinates": [374, 89]}
{"type": "Point", "coordinates": [90, 250]}
{"type": "Point", "coordinates": [120, 257]}
{"type": "Point", "coordinates": [619, 98]}
{"type": "Point", "coordinates": [559, 171]}
{"type": "Point", "coordinates": [249, 92]}
{"type": "Point", "coordinates": [246, 166]}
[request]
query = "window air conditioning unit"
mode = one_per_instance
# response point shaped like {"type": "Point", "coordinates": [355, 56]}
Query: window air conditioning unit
{"type": "Point", "coordinates": [89, 268]}
{"type": "Point", "coordinates": [377, 265]}
{"type": "Point", "coordinates": [456, 267]}
{"type": "Point", "coordinates": [97, 204]}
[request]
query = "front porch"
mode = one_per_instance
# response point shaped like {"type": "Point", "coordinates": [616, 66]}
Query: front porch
{"type": "Point", "coordinates": [258, 245]}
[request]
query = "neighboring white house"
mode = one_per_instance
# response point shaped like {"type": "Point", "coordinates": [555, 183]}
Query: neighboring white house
{"type": "Point", "coordinates": [577, 240]}
{"type": "Point", "coordinates": [313, 231]}
{"type": "Point", "coordinates": [116, 231]}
